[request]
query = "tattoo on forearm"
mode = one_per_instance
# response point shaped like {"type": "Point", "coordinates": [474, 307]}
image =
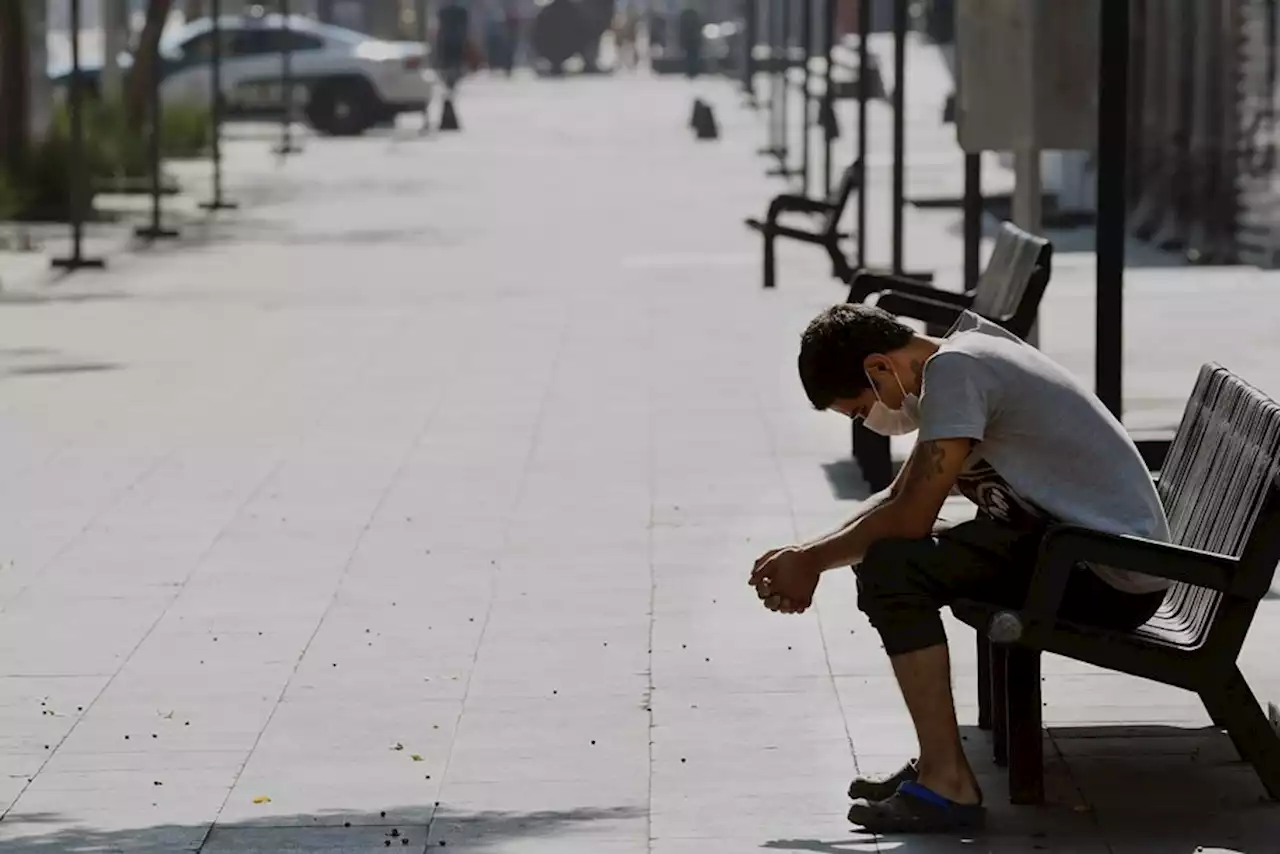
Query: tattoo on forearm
{"type": "Point", "coordinates": [927, 461]}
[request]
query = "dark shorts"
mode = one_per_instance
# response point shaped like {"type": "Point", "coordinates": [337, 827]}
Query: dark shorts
{"type": "Point", "coordinates": [903, 584]}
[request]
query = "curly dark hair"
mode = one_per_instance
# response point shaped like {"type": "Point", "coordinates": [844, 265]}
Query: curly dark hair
{"type": "Point", "coordinates": [837, 342]}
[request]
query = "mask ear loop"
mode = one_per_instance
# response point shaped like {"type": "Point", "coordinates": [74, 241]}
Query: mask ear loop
{"type": "Point", "coordinates": [871, 383]}
{"type": "Point", "coordinates": [896, 379]}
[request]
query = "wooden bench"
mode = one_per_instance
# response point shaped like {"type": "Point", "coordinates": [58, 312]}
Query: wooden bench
{"type": "Point", "coordinates": [828, 236]}
{"type": "Point", "coordinates": [1220, 486]}
{"type": "Point", "coordinates": [1008, 293]}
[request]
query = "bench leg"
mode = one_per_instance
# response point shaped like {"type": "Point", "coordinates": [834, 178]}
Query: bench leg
{"type": "Point", "coordinates": [984, 682]}
{"type": "Point", "coordinates": [1026, 738]}
{"type": "Point", "coordinates": [770, 264]}
{"type": "Point", "coordinates": [1235, 706]}
{"type": "Point", "coordinates": [871, 451]}
{"type": "Point", "coordinates": [999, 707]}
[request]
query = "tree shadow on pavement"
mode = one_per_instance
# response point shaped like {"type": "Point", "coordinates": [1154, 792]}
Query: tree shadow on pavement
{"type": "Point", "coordinates": [327, 830]}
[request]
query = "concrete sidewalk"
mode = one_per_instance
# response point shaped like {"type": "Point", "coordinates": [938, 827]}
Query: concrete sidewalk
{"type": "Point", "coordinates": [413, 507]}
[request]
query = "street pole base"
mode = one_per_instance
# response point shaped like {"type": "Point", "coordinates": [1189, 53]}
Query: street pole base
{"type": "Point", "coordinates": [284, 150]}
{"type": "Point", "coordinates": [75, 262]}
{"type": "Point", "coordinates": [784, 173]}
{"type": "Point", "coordinates": [219, 205]}
{"type": "Point", "coordinates": [155, 233]}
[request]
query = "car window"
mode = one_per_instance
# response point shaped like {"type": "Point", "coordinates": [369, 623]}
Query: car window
{"type": "Point", "coordinates": [199, 49]}
{"type": "Point", "coordinates": [267, 41]}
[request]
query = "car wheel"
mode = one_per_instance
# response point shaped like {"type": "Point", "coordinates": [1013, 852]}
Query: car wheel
{"type": "Point", "coordinates": [342, 108]}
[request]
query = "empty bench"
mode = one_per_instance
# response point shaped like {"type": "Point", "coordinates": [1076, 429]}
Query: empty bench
{"type": "Point", "coordinates": [1008, 293]}
{"type": "Point", "coordinates": [1220, 487]}
{"type": "Point", "coordinates": [828, 236]}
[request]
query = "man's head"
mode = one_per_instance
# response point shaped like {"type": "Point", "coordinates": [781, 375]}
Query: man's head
{"type": "Point", "coordinates": [852, 353]}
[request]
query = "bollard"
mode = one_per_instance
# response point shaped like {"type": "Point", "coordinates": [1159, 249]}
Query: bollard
{"type": "Point", "coordinates": [449, 116]}
{"type": "Point", "coordinates": [704, 121]}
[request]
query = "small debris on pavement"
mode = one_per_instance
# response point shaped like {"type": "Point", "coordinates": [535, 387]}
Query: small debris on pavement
{"type": "Point", "coordinates": [398, 746]}
{"type": "Point", "coordinates": [262, 799]}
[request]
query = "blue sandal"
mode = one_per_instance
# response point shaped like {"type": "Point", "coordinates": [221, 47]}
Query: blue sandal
{"type": "Point", "coordinates": [916, 809]}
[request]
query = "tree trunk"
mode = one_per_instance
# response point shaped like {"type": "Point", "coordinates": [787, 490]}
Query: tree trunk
{"type": "Point", "coordinates": [145, 61]}
{"type": "Point", "coordinates": [15, 91]}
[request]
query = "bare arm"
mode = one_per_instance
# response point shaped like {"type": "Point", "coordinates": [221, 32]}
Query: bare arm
{"type": "Point", "coordinates": [907, 510]}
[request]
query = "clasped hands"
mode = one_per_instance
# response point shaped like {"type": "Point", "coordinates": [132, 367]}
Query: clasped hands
{"type": "Point", "coordinates": [785, 579]}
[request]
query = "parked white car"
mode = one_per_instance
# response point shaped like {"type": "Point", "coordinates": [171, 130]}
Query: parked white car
{"type": "Point", "coordinates": [344, 82]}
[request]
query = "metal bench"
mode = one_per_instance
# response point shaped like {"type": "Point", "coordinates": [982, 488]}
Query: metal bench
{"type": "Point", "coordinates": [1008, 293]}
{"type": "Point", "coordinates": [1220, 486]}
{"type": "Point", "coordinates": [828, 236]}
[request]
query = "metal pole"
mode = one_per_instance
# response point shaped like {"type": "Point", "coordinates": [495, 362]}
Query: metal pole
{"type": "Point", "coordinates": [784, 109]}
{"type": "Point", "coordinates": [751, 23]}
{"type": "Point", "coordinates": [215, 108]}
{"type": "Point", "coordinates": [79, 179]}
{"type": "Point", "coordinates": [1113, 108]}
{"type": "Point", "coordinates": [806, 43]}
{"type": "Point", "coordinates": [828, 44]}
{"type": "Point", "coordinates": [972, 220]}
{"type": "Point", "coordinates": [424, 32]}
{"type": "Point", "coordinates": [156, 230]}
{"type": "Point", "coordinates": [899, 123]}
{"type": "Point", "coordinates": [772, 146]}
{"type": "Point", "coordinates": [286, 146]}
{"type": "Point", "coordinates": [864, 93]}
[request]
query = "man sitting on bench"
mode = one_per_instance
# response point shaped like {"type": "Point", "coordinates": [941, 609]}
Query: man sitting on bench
{"type": "Point", "coordinates": [1018, 436]}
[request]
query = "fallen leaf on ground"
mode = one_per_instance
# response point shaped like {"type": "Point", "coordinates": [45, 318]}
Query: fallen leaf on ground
{"type": "Point", "coordinates": [262, 799]}
{"type": "Point", "coordinates": [416, 758]}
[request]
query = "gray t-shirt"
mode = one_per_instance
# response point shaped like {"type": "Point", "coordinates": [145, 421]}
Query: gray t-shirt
{"type": "Point", "coordinates": [1047, 451]}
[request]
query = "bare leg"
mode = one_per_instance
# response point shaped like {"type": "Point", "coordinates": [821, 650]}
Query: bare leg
{"type": "Point", "coordinates": [925, 679]}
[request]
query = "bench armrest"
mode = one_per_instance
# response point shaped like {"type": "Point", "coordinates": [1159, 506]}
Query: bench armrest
{"type": "Point", "coordinates": [927, 309]}
{"type": "Point", "coordinates": [1064, 546]}
{"type": "Point", "coordinates": [789, 203]}
{"type": "Point", "coordinates": [867, 282]}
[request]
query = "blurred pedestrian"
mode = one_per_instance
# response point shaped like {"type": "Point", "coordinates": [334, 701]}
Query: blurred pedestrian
{"type": "Point", "coordinates": [452, 43]}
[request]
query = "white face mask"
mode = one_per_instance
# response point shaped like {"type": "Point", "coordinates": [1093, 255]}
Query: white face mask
{"type": "Point", "coordinates": [893, 422]}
